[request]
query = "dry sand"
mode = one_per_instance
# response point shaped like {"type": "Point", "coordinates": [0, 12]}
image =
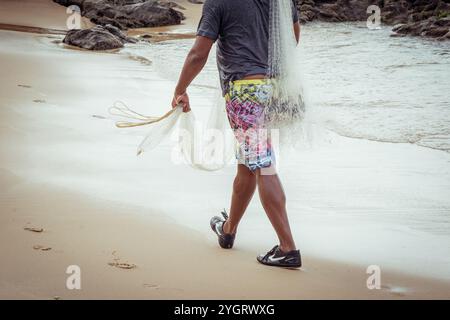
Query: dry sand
{"type": "Point", "coordinates": [54, 141]}
{"type": "Point", "coordinates": [35, 13]}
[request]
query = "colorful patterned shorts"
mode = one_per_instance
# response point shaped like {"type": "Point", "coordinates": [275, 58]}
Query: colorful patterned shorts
{"type": "Point", "coordinates": [245, 103]}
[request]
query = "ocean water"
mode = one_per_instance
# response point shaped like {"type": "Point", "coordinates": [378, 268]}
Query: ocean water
{"type": "Point", "coordinates": [361, 83]}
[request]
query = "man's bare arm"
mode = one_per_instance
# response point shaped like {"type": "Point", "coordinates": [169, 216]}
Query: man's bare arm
{"type": "Point", "coordinates": [297, 31]}
{"type": "Point", "coordinates": [194, 63]}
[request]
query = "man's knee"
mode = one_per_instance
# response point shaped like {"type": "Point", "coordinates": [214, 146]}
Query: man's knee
{"type": "Point", "coordinates": [244, 172]}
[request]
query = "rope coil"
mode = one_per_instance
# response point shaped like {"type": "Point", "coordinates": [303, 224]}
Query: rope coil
{"type": "Point", "coordinates": [120, 109]}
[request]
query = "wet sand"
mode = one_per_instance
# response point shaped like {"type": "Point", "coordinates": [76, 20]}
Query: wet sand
{"type": "Point", "coordinates": [171, 261]}
{"type": "Point", "coordinates": [64, 170]}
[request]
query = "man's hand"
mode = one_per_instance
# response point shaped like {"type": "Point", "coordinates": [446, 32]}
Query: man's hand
{"type": "Point", "coordinates": [182, 99]}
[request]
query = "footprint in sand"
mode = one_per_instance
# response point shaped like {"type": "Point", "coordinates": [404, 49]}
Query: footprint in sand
{"type": "Point", "coordinates": [140, 59]}
{"type": "Point", "coordinates": [121, 265]}
{"type": "Point", "coordinates": [98, 116]}
{"type": "Point", "coordinates": [41, 248]}
{"type": "Point", "coordinates": [33, 229]}
{"type": "Point", "coordinates": [26, 86]}
{"type": "Point", "coordinates": [159, 288]}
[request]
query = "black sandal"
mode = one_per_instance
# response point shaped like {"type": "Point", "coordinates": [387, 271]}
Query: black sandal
{"type": "Point", "coordinates": [226, 240]}
{"type": "Point", "coordinates": [278, 258]}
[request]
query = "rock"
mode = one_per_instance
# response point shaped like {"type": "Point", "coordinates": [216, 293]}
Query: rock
{"type": "Point", "coordinates": [443, 22]}
{"type": "Point", "coordinates": [425, 18]}
{"type": "Point", "coordinates": [119, 34]}
{"type": "Point", "coordinates": [307, 13]}
{"type": "Point", "coordinates": [172, 4]}
{"type": "Point", "coordinates": [98, 38]}
{"type": "Point", "coordinates": [67, 3]}
{"type": "Point", "coordinates": [333, 11]}
{"type": "Point", "coordinates": [414, 17]}
{"type": "Point", "coordinates": [436, 32]}
{"type": "Point", "coordinates": [398, 27]}
{"type": "Point", "coordinates": [445, 37]}
{"type": "Point", "coordinates": [306, 8]}
{"type": "Point", "coordinates": [329, 13]}
{"type": "Point", "coordinates": [395, 12]}
{"type": "Point", "coordinates": [418, 17]}
{"type": "Point", "coordinates": [431, 27]}
{"type": "Point", "coordinates": [125, 14]}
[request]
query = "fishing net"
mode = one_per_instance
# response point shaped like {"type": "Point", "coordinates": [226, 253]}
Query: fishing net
{"type": "Point", "coordinates": [208, 148]}
{"type": "Point", "coordinates": [286, 109]}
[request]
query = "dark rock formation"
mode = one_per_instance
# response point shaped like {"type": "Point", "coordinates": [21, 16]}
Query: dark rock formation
{"type": "Point", "coordinates": [430, 18]}
{"type": "Point", "coordinates": [427, 18]}
{"type": "Point", "coordinates": [333, 11]}
{"type": "Point", "coordinates": [98, 38]}
{"type": "Point", "coordinates": [432, 27]}
{"type": "Point", "coordinates": [126, 14]}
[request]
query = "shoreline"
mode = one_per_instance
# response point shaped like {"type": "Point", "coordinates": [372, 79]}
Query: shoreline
{"type": "Point", "coordinates": [28, 29]}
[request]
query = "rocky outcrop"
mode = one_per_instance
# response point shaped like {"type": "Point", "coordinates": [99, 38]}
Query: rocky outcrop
{"type": "Point", "coordinates": [430, 18]}
{"type": "Point", "coordinates": [333, 11]}
{"type": "Point", "coordinates": [427, 18]}
{"type": "Point", "coordinates": [432, 27]}
{"type": "Point", "coordinates": [98, 38]}
{"type": "Point", "coordinates": [126, 14]}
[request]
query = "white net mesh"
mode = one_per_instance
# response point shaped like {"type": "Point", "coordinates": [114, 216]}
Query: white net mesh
{"type": "Point", "coordinates": [286, 109]}
{"type": "Point", "coordinates": [209, 147]}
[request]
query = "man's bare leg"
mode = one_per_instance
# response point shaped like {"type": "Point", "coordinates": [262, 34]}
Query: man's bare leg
{"type": "Point", "coordinates": [273, 200]}
{"type": "Point", "coordinates": [244, 187]}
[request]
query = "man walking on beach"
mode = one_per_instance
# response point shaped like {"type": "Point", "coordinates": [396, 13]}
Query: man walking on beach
{"type": "Point", "coordinates": [241, 29]}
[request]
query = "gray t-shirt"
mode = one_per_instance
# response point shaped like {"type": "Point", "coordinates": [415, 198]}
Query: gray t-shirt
{"type": "Point", "coordinates": [241, 28]}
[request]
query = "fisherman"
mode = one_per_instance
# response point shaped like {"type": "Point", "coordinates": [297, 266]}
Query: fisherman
{"type": "Point", "coordinates": [241, 29]}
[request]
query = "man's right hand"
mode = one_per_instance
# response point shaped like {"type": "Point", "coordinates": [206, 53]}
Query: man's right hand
{"type": "Point", "coordinates": [182, 99]}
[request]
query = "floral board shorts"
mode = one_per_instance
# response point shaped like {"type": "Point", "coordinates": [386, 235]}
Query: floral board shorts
{"type": "Point", "coordinates": [245, 103]}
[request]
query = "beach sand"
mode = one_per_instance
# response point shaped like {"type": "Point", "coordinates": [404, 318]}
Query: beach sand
{"type": "Point", "coordinates": [35, 13]}
{"type": "Point", "coordinates": [65, 169]}
{"type": "Point", "coordinates": [172, 262]}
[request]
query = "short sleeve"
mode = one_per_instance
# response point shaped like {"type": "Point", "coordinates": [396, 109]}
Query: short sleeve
{"type": "Point", "coordinates": [209, 25]}
{"type": "Point", "coordinates": [294, 11]}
